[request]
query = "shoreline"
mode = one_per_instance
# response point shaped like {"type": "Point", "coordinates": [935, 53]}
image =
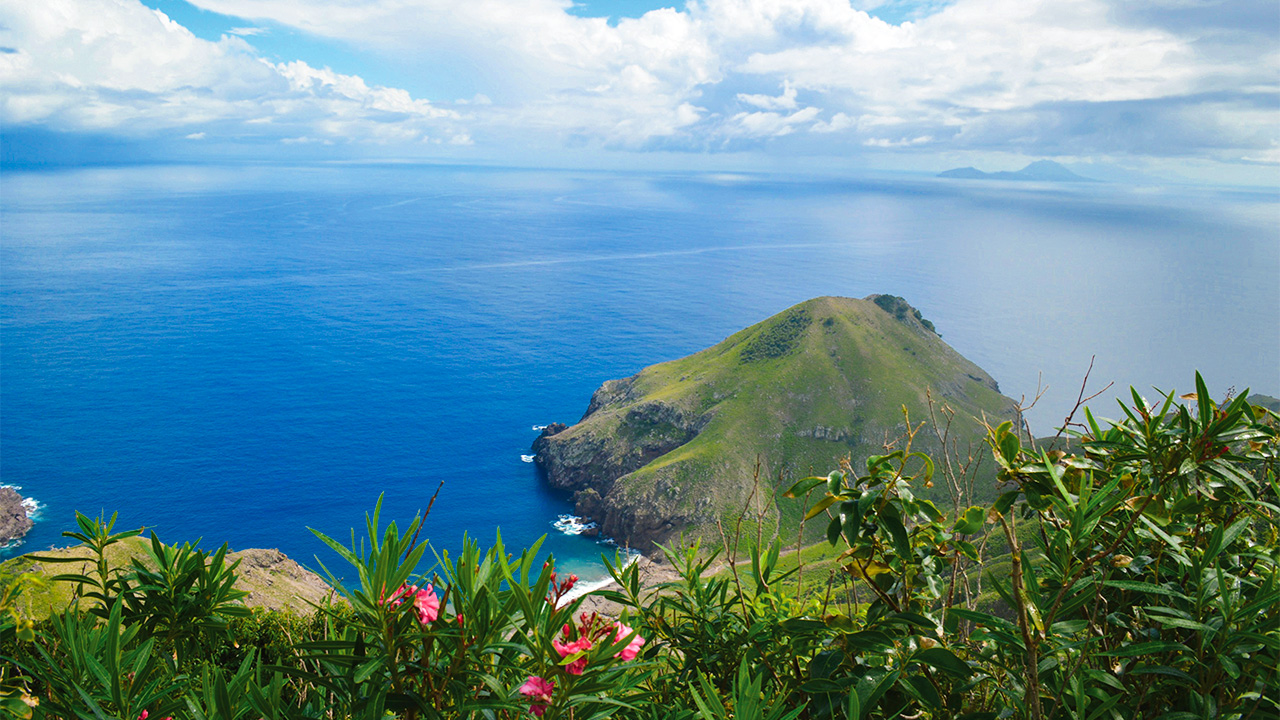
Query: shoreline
{"type": "Point", "coordinates": [582, 588]}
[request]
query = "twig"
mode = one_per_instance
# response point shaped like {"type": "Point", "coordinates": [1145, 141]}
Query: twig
{"type": "Point", "coordinates": [414, 544]}
{"type": "Point", "coordinates": [1080, 400]}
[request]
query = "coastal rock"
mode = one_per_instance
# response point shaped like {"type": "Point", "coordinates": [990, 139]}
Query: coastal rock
{"type": "Point", "coordinates": [274, 581]}
{"type": "Point", "coordinates": [646, 431]}
{"type": "Point", "coordinates": [14, 522]}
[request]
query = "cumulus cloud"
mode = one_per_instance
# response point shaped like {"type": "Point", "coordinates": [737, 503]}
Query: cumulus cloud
{"type": "Point", "coordinates": [115, 65]}
{"type": "Point", "coordinates": [1040, 77]}
{"type": "Point", "coordinates": [785, 101]}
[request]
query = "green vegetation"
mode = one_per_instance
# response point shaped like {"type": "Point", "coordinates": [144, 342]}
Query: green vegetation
{"type": "Point", "coordinates": [779, 338]}
{"type": "Point", "coordinates": [900, 309]}
{"type": "Point", "coordinates": [676, 447]}
{"type": "Point", "coordinates": [1135, 578]}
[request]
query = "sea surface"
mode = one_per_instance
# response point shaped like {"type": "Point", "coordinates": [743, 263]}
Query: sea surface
{"type": "Point", "coordinates": [242, 353]}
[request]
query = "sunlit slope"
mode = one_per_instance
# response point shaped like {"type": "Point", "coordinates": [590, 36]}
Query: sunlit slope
{"type": "Point", "coordinates": [675, 447]}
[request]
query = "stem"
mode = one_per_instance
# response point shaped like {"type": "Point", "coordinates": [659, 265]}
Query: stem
{"type": "Point", "coordinates": [1088, 563]}
{"type": "Point", "coordinates": [1031, 643]}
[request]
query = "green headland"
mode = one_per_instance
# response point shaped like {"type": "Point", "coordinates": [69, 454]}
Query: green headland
{"type": "Point", "coordinates": [685, 443]}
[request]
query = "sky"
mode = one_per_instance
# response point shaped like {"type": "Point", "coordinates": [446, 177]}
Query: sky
{"type": "Point", "coordinates": [1181, 89]}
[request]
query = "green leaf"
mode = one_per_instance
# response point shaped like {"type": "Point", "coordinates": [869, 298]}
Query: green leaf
{"type": "Point", "coordinates": [1183, 623]}
{"type": "Point", "coordinates": [1162, 670]}
{"type": "Point", "coordinates": [924, 691]}
{"type": "Point", "coordinates": [871, 688]}
{"type": "Point", "coordinates": [911, 618]}
{"type": "Point", "coordinates": [804, 486]}
{"type": "Point", "coordinates": [1144, 587]}
{"type": "Point", "coordinates": [944, 660]}
{"type": "Point", "coordinates": [929, 509]}
{"type": "Point", "coordinates": [869, 640]}
{"type": "Point", "coordinates": [820, 506]}
{"type": "Point", "coordinates": [1006, 501]}
{"type": "Point", "coordinates": [1147, 648]}
{"type": "Point", "coordinates": [891, 519]}
{"type": "Point", "coordinates": [1204, 402]}
{"type": "Point", "coordinates": [971, 522]}
{"type": "Point", "coordinates": [1008, 442]}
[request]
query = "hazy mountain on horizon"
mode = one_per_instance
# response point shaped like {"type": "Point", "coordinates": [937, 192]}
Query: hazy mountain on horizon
{"type": "Point", "coordinates": [1039, 171]}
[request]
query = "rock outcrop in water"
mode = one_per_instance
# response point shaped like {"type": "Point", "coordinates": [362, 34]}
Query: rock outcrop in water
{"type": "Point", "coordinates": [674, 448]}
{"type": "Point", "coordinates": [14, 522]}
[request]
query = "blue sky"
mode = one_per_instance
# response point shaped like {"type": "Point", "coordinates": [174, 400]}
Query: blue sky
{"type": "Point", "coordinates": [1182, 89]}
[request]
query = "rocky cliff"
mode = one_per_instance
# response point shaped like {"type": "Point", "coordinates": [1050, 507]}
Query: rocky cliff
{"type": "Point", "coordinates": [675, 447]}
{"type": "Point", "coordinates": [14, 522]}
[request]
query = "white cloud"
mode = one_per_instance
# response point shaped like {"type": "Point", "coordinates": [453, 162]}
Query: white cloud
{"type": "Point", "coordinates": [248, 31]}
{"type": "Point", "coordinates": [904, 142]}
{"type": "Point", "coordinates": [769, 124]}
{"type": "Point", "coordinates": [104, 65]}
{"type": "Point", "coordinates": [785, 101]}
{"type": "Point", "coordinates": [638, 81]}
{"type": "Point", "coordinates": [1045, 76]}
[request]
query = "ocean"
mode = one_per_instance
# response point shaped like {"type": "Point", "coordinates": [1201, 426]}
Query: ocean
{"type": "Point", "coordinates": [240, 353]}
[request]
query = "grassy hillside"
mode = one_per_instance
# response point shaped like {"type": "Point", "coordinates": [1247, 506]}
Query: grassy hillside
{"type": "Point", "coordinates": [675, 447]}
{"type": "Point", "coordinates": [272, 580]}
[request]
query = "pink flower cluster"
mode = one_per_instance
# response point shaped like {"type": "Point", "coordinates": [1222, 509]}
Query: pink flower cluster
{"type": "Point", "coordinates": [539, 692]}
{"type": "Point", "coordinates": [591, 629]}
{"type": "Point", "coordinates": [425, 602]}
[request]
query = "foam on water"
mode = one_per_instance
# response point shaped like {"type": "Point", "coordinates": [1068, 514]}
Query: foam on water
{"type": "Point", "coordinates": [572, 525]}
{"type": "Point", "coordinates": [30, 504]}
{"type": "Point", "coordinates": [526, 458]}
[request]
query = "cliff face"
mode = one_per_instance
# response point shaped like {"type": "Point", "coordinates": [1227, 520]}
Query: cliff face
{"type": "Point", "coordinates": [642, 431]}
{"type": "Point", "coordinates": [675, 447]}
{"type": "Point", "coordinates": [14, 522]}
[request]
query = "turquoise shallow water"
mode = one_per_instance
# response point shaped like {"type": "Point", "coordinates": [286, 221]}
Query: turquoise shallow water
{"type": "Point", "coordinates": [239, 353]}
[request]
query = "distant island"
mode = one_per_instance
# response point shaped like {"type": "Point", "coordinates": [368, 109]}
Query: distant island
{"type": "Point", "coordinates": [1039, 171]}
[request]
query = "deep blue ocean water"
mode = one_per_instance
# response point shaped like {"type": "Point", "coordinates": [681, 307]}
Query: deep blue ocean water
{"type": "Point", "coordinates": [238, 353]}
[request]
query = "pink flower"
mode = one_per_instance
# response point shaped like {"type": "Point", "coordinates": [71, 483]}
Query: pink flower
{"type": "Point", "coordinates": [426, 604]}
{"type": "Point", "coordinates": [144, 715]}
{"type": "Point", "coordinates": [582, 644]}
{"type": "Point", "coordinates": [539, 693]}
{"type": "Point", "coordinates": [629, 652]}
{"type": "Point", "coordinates": [396, 597]}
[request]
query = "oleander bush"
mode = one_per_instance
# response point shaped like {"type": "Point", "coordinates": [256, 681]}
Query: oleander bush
{"type": "Point", "coordinates": [1134, 577]}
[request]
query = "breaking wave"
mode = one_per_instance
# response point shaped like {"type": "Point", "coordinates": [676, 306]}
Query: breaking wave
{"type": "Point", "coordinates": [572, 525]}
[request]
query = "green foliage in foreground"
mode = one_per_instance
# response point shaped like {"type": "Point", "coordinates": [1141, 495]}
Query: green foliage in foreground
{"type": "Point", "coordinates": [1136, 578]}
